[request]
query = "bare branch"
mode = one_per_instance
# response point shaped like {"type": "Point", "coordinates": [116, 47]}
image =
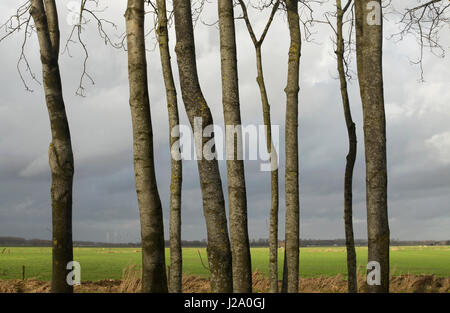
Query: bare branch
{"type": "Point", "coordinates": [14, 24]}
{"type": "Point", "coordinates": [425, 22]}
{"type": "Point", "coordinates": [258, 42]}
{"type": "Point", "coordinates": [75, 37]}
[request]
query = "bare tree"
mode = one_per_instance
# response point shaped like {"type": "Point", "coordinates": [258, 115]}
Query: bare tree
{"type": "Point", "coordinates": [45, 17]}
{"type": "Point", "coordinates": [273, 232]}
{"type": "Point", "coordinates": [60, 150]}
{"type": "Point", "coordinates": [369, 39]}
{"type": "Point", "coordinates": [219, 251]}
{"type": "Point", "coordinates": [152, 230]}
{"type": "Point", "coordinates": [175, 272]}
{"type": "Point", "coordinates": [343, 54]}
{"type": "Point", "coordinates": [292, 172]}
{"type": "Point", "coordinates": [351, 156]}
{"type": "Point", "coordinates": [237, 195]}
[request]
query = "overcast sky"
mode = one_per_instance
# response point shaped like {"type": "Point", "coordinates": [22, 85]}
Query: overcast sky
{"type": "Point", "coordinates": [104, 200]}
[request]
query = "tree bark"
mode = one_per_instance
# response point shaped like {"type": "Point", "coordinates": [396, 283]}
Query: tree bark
{"type": "Point", "coordinates": [152, 230]}
{"type": "Point", "coordinates": [273, 232]}
{"type": "Point", "coordinates": [351, 156]}
{"type": "Point", "coordinates": [53, 25]}
{"type": "Point", "coordinates": [60, 150]}
{"type": "Point", "coordinates": [292, 173]}
{"type": "Point", "coordinates": [175, 274]}
{"type": "Point", "coordinates": [218, 249]}
{"type": "Point", "coordinates": [237, 195]}
{"type": "Point", "coordinates": [369, 43]}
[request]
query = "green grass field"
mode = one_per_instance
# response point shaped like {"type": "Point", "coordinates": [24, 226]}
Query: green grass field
{"type": "Point", "coordinates": [108, 263]}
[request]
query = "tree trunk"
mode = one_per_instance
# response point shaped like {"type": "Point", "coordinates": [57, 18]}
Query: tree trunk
{"type": "Point", "coordinates": [237, 198]}
{"type": "Point", "coordinates": [152, 230]}
{"type": "Point", "coordinates": [60, 150]}
{"type": "Point", "coordinates": [273, 232]}
{"type": "Point", "coordinates": [219, 253]}
{"type": "Point", "coordinates": [369, 42]}
{"type": "Point", "coordinates": [292, 184]}
{"type": "Point", "coordinates": [351, 156]}
{"type": "Point", "coordinates": [175, 275]}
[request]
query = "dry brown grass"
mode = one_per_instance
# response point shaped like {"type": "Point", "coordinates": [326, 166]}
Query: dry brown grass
{"type": "Point", "coordinates": [131, 280]}
{"type": "Point", "coordinates": [131, 283]}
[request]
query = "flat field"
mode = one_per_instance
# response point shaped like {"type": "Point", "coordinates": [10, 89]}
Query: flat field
{"type": "Point", "coordinates": [108, 263]}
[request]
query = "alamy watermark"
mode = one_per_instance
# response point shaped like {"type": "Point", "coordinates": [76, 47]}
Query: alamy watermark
{"type": "Point", "coordinates": [74, 276]}
{"type": "Point", "coordinates": [374, 16]}
{"type": "Point", "coordinates": [374, 274]}
{"type": "Point", "coordinates": [236, 142]}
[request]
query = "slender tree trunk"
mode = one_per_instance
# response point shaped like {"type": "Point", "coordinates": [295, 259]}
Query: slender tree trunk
{"type": "Point", "coordinates": [152, 230]}
{"type": "Point", "coordinates": [237, 198]}
{"type": "Point", "coordinates": [351, 156]}
{"type": "Point", "coordinates": [175, 274]}
{"type": "Point", "coordinates": [369, 43]}
{"type": "Point", "coordinates": [219, 252]}
{"type": "Point", "coordinates": [292, 184]}
{"type": "Point", "coordinates": [60, 150]}
{"type": "Point", "coordinates": [273, 232]}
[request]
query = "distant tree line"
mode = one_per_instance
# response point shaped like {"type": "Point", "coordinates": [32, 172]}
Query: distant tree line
{"type": "Point", "coordinates": [255, 243]}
